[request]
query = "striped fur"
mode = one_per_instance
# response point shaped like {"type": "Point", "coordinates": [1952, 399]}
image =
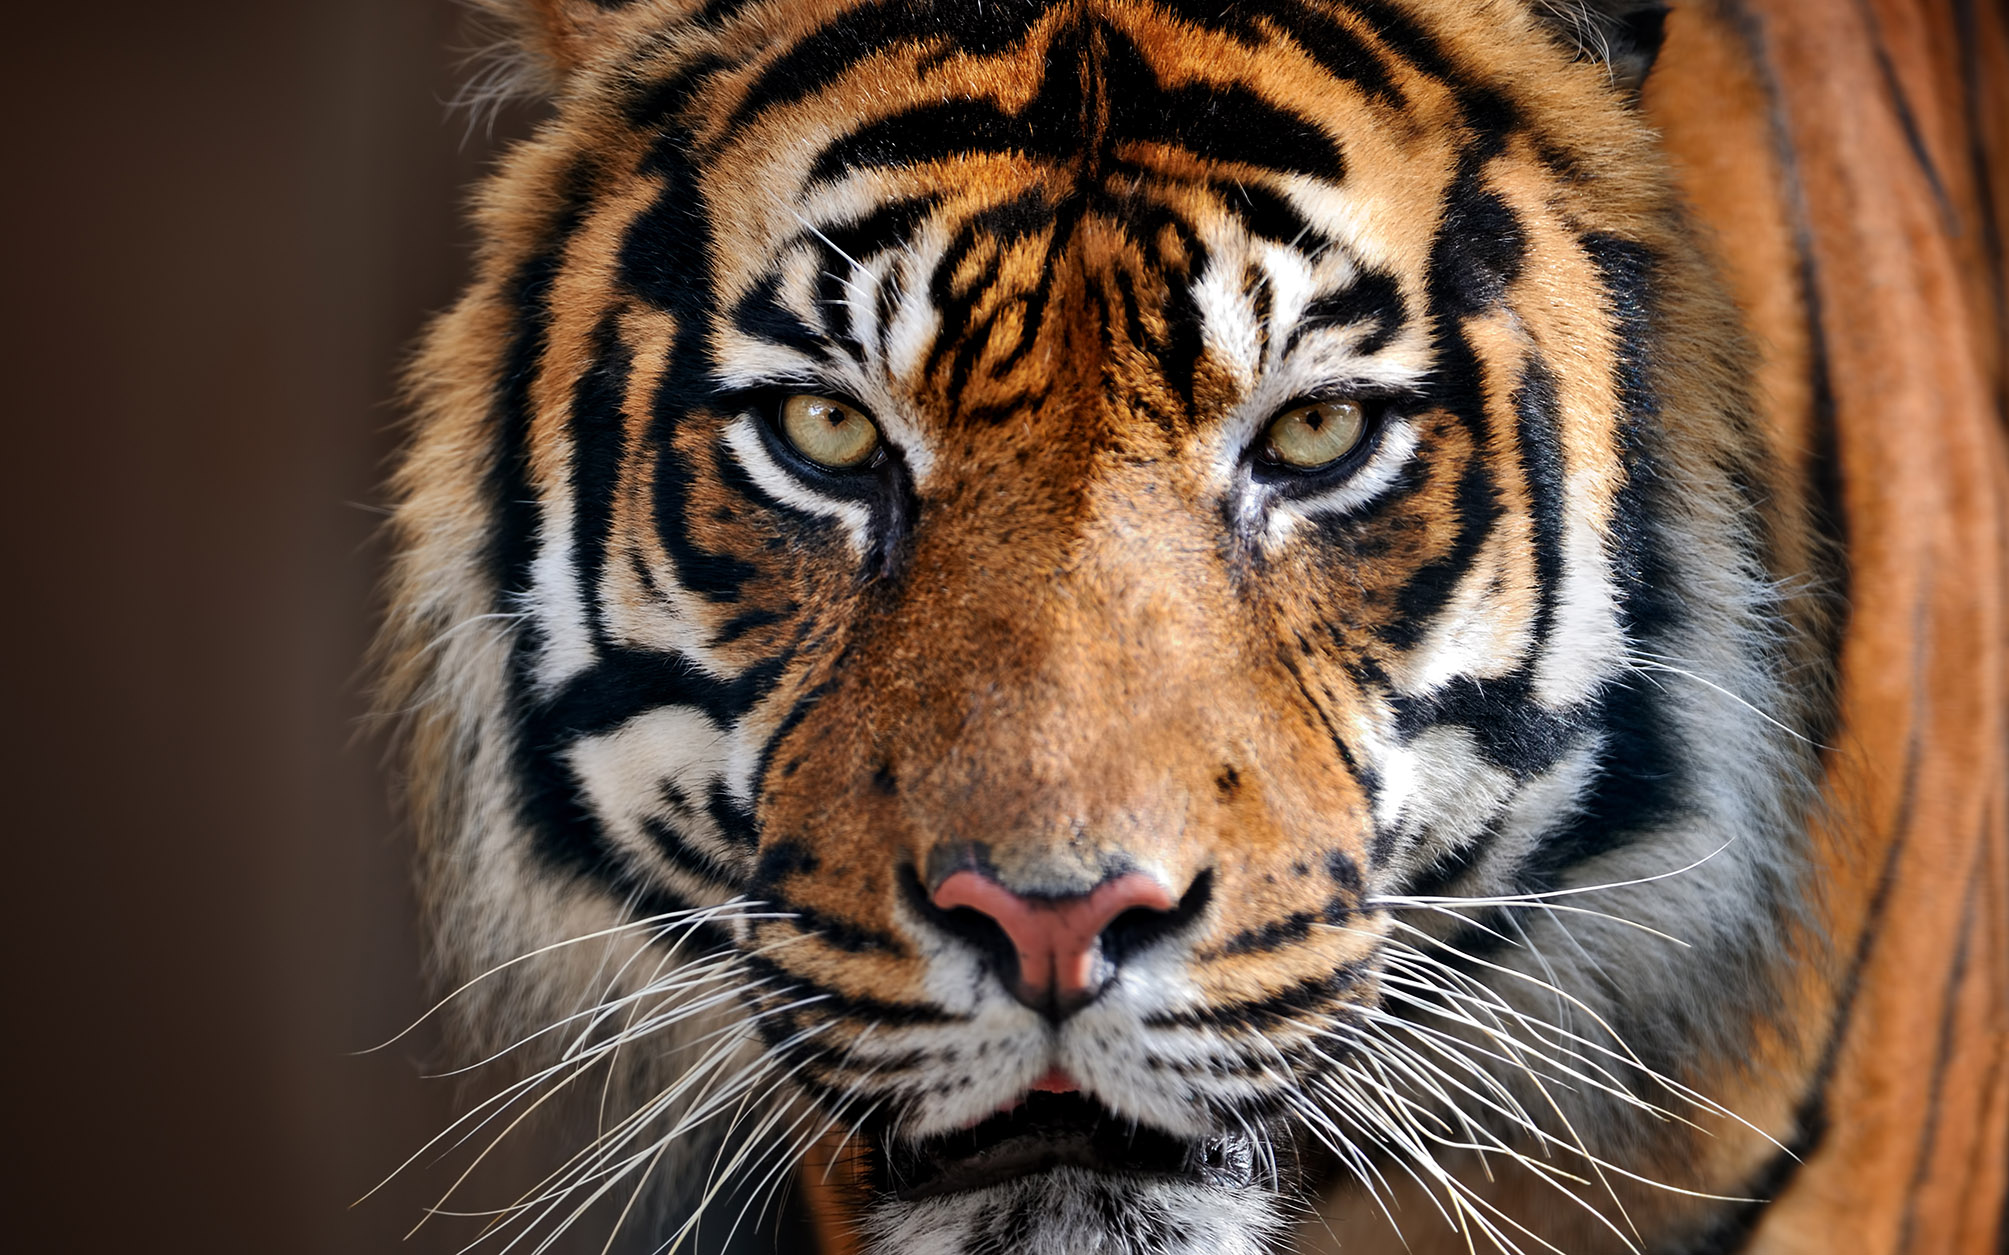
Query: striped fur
{"type": "Point", "coordinates": [1579, 799]}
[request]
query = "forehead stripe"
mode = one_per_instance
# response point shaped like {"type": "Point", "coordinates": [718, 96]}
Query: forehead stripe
{"type": "Point", "coordinates": [1338, 50]}
{"type": "Point", "coordinates": [1216, 122]}
{"type": "Point", "coordinates": [869, 30]}
{"type": "Point", "coordinates": [1372, 297]}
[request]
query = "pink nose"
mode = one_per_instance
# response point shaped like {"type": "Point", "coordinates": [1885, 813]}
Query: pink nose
{"type": "Point", "coordinates": [1058, 939]}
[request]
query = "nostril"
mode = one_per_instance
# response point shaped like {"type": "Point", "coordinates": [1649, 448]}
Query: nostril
{"type": "Point", "coordinates": [1141, 927]}
{"type": "Point", "coordinates": [970, 926]}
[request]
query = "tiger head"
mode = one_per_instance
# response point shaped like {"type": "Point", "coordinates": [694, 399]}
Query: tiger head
{"type": "Point", "coordinates": [1060, 589]}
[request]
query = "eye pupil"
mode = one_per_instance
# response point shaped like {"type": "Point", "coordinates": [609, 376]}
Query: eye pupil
{"type": "Point", "coordinates": [828, 432]}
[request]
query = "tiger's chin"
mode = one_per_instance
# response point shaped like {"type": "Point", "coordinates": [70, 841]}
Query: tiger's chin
{"type": "Point", "coordinates": [1066, 1210]}
{"type": "Point", "coordinates": [1059, 1174]}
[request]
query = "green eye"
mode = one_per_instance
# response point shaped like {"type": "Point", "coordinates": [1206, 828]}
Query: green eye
{"type": "Point", "coordinates": [1310, 436]}
{"type": "Point", "coordinates": [828, 432]}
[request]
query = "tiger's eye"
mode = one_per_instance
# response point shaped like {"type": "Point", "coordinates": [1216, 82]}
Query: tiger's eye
{"type": "Point", "coordinates": [827, 432]}
{"type": "Point", "coordinates": [1310, 436]}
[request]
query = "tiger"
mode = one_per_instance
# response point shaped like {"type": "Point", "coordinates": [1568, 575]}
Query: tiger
{"type": "Point", "coordinates": [1205, 627]}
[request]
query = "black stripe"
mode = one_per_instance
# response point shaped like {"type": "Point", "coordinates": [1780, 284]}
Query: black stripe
{"type": "Point", "coordinates": [719, 12]}
{"type": "Point", "coordinates": [1488, 111]}
{"type": "Point", "coordinates": [1538, 424]}
{"type": "Point", "coordinates": [686, 858]}
{"type": "Point", "coordinates": [1446, 870]}
{"type": "Point", "coordinates": [717, 577]}
{"type": "Point", "coordinates": [1000, 225]}
{"type": "Point", "coordinates": [1185, 342]}
{"type": "Point", "coordinates": [833, 301]}
{"type": "Point", "coordinates": [599, 405]}
{"type": "Point", "coordinates": [1479, 247]}
{"type": "Point", "coordinates": [1368, 781]}
{"type": "Point", "coordinates": [1262, 305]}
{"type": "Point", "coordinates": [735, 821]}
{"type": "Point", "coordinates": [1513, 731]}
{"type": "Point", "coordinates": [666, 261]}
{"type": "Point", "coordinates": [835, 1003]}
{"type": "Point", "coordinates": [1292, 929]}
{"type": "Point", "coordinates": [1394, 29]}
{"type": "Point", "coordinates": [1474, 253]}
{"type": "Point", "coordinates": [1942, 1059]}
{"type": "Point", "coordinates": [955, 128]}
{"type": "Point", "coordinates": [750, 621]}
{"type": "Point", "coordinates": [1223, 122]}
{"type": "Point", "coordinates": [843, 934]}
{"type": "Point", "coordinates": [1475, 508]}
{"type": "Point", "coordinates": [1646, 579]}
{"type": "Point", "coordinates": [623, 684]}
{"type": "Point", "coordinates": [628, 682]}
{"type": "Point", "coordinates": [1337, 49]}
{"type": "Point", "coordinates": [889, 225]}
{"type": "Point", "coordinates": [1315, 993]}
{"type": "Point", "coordinates": [760, 313]}
{"type": "Point", "coordinates": [1265, 213]}
{"type": "Point", "coordinates": [1984, 192]}
{"type": "Point", "coordinates": [1643, 779]}
{"type": "Point", "coordinates": [797, 712]}
{"type": "Point", "coordinates": [561, 830]}
{"type": "Point", "coordinates": [1907, 120]}
{"type": "Point", "coordinates": [839, 45]}
{"type": "Point", "coordinates": [654, 105]}
{"type": "Point", "coordinates": [1824, 474]}
{"type": "Point", "coordinates": [514, 543]}
{"type": "Point", "coordinates": [1372, 297]}
{"type": "Point", "coordinates": [1132, 313]}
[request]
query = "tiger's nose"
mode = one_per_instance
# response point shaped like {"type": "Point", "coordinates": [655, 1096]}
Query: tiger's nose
{"type": "Point", "coordinates": [1059, 942]}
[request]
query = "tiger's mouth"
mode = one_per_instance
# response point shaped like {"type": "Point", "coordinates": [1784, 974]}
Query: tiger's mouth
{"type": "Point", "coordinates": [1049, 1131]}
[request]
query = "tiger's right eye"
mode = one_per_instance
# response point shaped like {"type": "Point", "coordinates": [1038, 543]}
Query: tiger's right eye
{"type": "Point", "coordinates": [829, 432]}
{"type": "Point", "coordinates": [1307, 437]}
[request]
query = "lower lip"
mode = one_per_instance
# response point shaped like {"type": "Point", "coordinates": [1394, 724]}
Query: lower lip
{"type": "Point", "coordinates": [1044, 1132]}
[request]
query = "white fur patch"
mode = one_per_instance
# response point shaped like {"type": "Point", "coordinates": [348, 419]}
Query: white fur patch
{"type": "Point", "coordinates": [1071, 1212]}
{"type": "Point", "coordinates": [657, 770]}
{"type": "Point", "coordinates": [751, 453]}
{"type": "Point", "coordinates": [558, 603]}
{"type": "Point", "coordinates": [1439, 782]}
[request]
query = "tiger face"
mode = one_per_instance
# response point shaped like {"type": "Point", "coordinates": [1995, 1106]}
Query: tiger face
{"type": "Point", "coordinates": [1075, 580]}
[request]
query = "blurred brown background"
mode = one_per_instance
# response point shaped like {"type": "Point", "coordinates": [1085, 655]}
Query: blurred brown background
{"type": "Point", "coordinates": [224, 222]}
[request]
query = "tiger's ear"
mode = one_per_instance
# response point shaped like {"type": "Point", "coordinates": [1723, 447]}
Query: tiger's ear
{"type": "Point", "coordinates": [1624, 34]}
{"type": "Point", "coordinates": [546, 40]}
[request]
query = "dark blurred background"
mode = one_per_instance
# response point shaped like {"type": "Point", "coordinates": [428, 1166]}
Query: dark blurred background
{"type": "Point", "coordinates": [224, 224]}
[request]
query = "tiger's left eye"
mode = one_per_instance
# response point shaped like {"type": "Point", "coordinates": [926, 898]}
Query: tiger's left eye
{"type": "Point", "coordinates": [828, 432]}
{"type": "Point", "coordinates": [1307, 437]}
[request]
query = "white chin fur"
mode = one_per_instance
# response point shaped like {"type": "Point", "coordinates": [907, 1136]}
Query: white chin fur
{"type": "Point", "coordinates": [1071, 1212]}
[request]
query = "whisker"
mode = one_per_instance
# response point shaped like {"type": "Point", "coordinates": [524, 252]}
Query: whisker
{"type": "Point", "coordinates": [690, 918]}
{"type": "Point", "coordinates": [1642, 662]}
